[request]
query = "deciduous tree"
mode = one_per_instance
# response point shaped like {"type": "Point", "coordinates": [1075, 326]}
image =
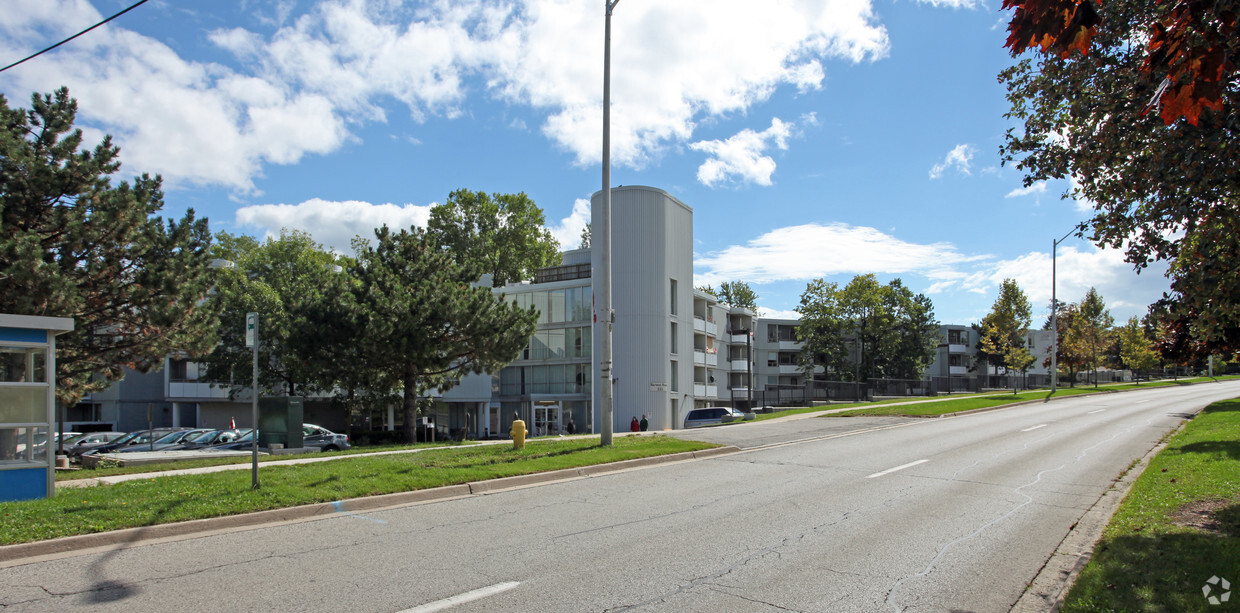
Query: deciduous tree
{"type": "Point", "coordinates": [1003, 330]}
{"type": "Point", "coordinates": [283, 280]}
{"type": "Point", "coordinates": [891, 331]}
{"type": "Point", "coordinates": [501, 234]}
{"type": "Point", "coordinates": [738, 294]}
{"type": "Point", "coordinates": [1161, 189]}
{"type": "Point", "coordinates": [72, 244]}
{"type": "Point", "coordinates": [1135, 351]}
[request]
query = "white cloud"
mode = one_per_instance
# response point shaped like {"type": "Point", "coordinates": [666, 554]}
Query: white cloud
{"type": "Point", "coordinates": [953, 4]}
{"type": "Point", "coordinates": [337, 64]}
{"type": "Point", "coordinates": [740, 156]}
{"type": "Point", "coordinates": [812, 250]}
{"type": "Point", "coordinates": [773, 314]}
{"type": "Point", "coordinates": [1076, 270]}
{"type": "Point", "coordinates": [802, 253]}
{"type": "Point", "coordinates": [1036, 188]}
{"type": "Point", "coordinates": [959, 158]}
{"type": "Point", "coordinates": [568, 230]}
{"type": "Point", "coordinates": [334, 224]}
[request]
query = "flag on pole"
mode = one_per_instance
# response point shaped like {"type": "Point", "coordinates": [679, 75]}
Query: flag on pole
{"type": "Point", "coordinates": [232, 423]}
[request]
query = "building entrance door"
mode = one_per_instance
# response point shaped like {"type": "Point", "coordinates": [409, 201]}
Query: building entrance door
{"type": "Point", "coordinates": [491, 422]}
{"type": "Point", "coordinates": [547, 418]}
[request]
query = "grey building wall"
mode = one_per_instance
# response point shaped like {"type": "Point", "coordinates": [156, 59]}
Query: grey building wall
{"type": "Point", "coordinates": [652, 252]}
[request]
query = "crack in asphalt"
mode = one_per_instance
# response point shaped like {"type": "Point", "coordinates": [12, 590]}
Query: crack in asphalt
{"type": "Point", "coordinates": [1029, 500]}
{"type": "Point", "coordinates": [760, 554]}
{"type": "Point", "coordinates": [755, 600]}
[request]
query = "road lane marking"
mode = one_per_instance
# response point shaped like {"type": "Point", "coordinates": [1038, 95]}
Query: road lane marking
{"type": "Point", "coordinates": [469, 596]}
{"type": "Point", "coordinates": [1034, 428]}
{"type": "Point", "coordinates": [1098, 411]}
{"type": "Point", "coordinates": [891, 470]}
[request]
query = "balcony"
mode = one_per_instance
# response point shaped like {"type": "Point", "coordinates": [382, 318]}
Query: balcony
{"type": "Point", "coordinates": [957, 348]}
{"type": "Point", "coordinates": [699, 325]}
{"type": "Point", "coordinates": [701, 391]}
{"type": "Point", "coordinates": [197, 390]}
{"type": "Point", "coordinates": [740, 365]}
{"type": "Point", "coordinates": [699, 358]}
{"type": "Point", "coordinates": [739, 339]}
{"type": "Point", "coordinates": [959, 370]}
{"type": "Point", "coordinates": [789, 369]}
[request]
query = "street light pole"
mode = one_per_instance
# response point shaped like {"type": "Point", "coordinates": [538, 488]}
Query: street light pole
{"type": "Point", "coordinates": [602, 236]}
{"type": "Point", "coordinates": [1055, 310]}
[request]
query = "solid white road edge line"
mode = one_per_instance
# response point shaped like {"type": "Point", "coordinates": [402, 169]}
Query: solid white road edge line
{"type": "Point", "coordinates": [891, 470]}
{"type": "Point", "coordinates": [1034, 428]}
{"type": "Point", "coordinates": [469, 596]}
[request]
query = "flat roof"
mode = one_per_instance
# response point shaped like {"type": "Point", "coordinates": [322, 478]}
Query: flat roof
{"type": "Point", "coordinates": [36, 322]}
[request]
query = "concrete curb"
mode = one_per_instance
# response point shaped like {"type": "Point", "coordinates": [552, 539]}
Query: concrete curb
{"type": "Point", "coordinates": [129, 537]}
{"type": "Point", "coordinates": [1048, 589]}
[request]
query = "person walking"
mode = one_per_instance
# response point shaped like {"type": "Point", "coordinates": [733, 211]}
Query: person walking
{"type": "Point", "coordinates": [645, 425]}
{"type": "Point", "coordinates": [634, 426]}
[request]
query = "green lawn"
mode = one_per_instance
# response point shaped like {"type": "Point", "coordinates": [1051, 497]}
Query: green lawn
{"type": "Point", "coordinates": [982, 401]}
{"type": "Point", "coordinates": [1152, 557]}
{"type": "Point", "coordinates": [179, 498]}
{"type": "Point", "coordinates": [108, 471]}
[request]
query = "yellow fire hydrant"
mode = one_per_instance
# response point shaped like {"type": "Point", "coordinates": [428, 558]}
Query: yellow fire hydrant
{"type": "Point", "coordinates": [517, 432]}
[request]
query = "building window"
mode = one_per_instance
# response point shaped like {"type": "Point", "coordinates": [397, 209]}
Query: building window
{"type": "Point", "coordinates": [673, 287]}
{"type": "Point", "coordinates": [675, 379]}
{"type": "Point", "coordinates": [673, 344]}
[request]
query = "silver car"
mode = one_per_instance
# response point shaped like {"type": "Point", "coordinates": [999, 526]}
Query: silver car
{"type": "Point", "coordinates": [706, 416]}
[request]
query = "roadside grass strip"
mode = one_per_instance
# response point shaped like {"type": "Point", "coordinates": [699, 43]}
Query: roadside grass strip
{"type": "Point", "coordinates": [107, 470]}
{"type": "Point", "coordinates": [1174, 542]}
{"type": "Point", "coordinates": [972, 403]}
{"type": "Point", "coordinates": [169, 499]}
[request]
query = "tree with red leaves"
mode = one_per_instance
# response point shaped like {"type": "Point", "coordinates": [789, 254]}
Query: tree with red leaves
{"type": "Point", "coordinates": [1163, 186]}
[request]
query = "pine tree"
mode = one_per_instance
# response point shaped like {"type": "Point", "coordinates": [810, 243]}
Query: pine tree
{"type": "Point", "coordinates": [420, 321]}
{"type": "Point", "coordinates": [74, 245]}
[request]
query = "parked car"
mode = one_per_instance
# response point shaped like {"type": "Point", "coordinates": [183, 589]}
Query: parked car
{"type": "Point", "coordinates": [166, 441]}
{"type": "Point", "coordinates": [706, 416]}
{"type": "Point", "coordinates": [78, 445]}
{"type": "Point", "coordinates": [324, 439]}
{"type": "Point", "coordinates": [141, 437]}
{"type": "Point", "coordinates": [40, 441]}
{"type": "Point", "coordinates": [209, 438]}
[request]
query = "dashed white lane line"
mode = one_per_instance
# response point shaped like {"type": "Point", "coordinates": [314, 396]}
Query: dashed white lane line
{"type": "Point", "coordinates": [1098, 411]}
{"type": "Point", "coordinates": [902, 467]}
{"type": "Point", "coordinates": [469, 596]}
{"type": "Point", "coordinates": [1034, 428]}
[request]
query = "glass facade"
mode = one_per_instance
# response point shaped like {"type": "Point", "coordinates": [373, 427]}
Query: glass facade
{"type": "Point", "coordinates": [557, 306]}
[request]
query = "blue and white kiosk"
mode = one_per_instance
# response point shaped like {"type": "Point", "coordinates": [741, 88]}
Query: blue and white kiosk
{"type": "Point", "coordinates": [28, 405]}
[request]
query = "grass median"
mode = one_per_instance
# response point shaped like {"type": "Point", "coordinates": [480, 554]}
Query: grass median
{"type": "Point", "coordinates": [169, 499]}
{"type": "Point", "coordinates": [931, 407]}
{"type": "Point", "coordinates": [1178, 528]}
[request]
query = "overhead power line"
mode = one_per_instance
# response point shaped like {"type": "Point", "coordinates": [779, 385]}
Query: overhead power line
{"type": "Point", "coordinates": [136, 5]}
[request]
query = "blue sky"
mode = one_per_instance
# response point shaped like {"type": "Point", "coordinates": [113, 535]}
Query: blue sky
{"type": "Point", "coordinates": [812, 139]}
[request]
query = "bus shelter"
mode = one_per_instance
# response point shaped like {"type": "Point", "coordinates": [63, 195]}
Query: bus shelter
{"type": "Point", "coordinates": [28, 405]}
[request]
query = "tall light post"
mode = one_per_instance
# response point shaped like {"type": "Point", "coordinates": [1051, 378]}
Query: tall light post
{"type": "Point", "coordinates": [602, 234]}
{"type": "Point", "coordinates": [1055, 309]}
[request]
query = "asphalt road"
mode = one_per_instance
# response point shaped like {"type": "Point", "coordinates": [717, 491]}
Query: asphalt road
{"type": "Point", "coordinates": [832, 514]}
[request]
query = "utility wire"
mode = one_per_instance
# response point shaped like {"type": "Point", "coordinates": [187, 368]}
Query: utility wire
{"type": "Point", "coordinates": [140, 3]}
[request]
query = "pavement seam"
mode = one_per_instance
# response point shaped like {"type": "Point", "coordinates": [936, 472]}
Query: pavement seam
{"type": "Point", "coordinates": [26, 553]}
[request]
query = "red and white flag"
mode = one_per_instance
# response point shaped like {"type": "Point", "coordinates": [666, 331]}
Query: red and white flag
{"type": "Point", "coordinates": [232, 423]}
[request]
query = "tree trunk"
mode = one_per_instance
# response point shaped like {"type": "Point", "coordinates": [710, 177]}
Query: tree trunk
{"type": "Point", "coordinates": [409, 408]}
